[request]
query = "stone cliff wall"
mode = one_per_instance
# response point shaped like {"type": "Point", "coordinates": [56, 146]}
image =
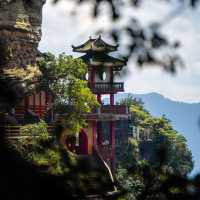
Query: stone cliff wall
{"type": "Point", "coordinates": [20, 33]}
{"type": "Point", "coordinates": [20, 30]}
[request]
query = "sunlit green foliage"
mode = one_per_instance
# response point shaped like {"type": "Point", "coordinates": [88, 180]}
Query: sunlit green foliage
{"type": "Point", "coordinates": [176, 156]}
{"type": "Point", "coordinates": [64, 76]}
{"type": "Point", "coordinates": [77, 175]}
{"type": "Point", "coordinates": [42, 150]}
{"type": "Point", "coordinates": [38, 148]}
{"type": "Point", "coordinates": [166, 153]}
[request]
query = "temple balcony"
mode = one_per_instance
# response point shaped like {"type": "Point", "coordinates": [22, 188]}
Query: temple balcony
{"type": "Point", "coordinates": [108, 112]}
{"type": "Point", "coordinates": [106, 88]}
{"type": "Point", "coordinates": [116, 109]}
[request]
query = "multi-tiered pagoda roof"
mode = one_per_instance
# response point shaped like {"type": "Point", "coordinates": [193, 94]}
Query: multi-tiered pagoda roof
{"type": "Point", "coordinates": [103, 60]}
{"type": "Point", "coordinates": [97, 54]}
{"type": "Point", "coordinates": [95, 45]}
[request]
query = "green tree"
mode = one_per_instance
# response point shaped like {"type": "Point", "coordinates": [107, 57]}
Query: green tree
{"type": "Point", "coordinates": [151, 163]}
{"type": "Point", "coordinates": [132, 185]}
{"type": "Point", "coordinates": [37, 147]}
{"type": "Point", "coordinates": [177, 156]}
{"type": "Point", "coordinates": [64, 76]}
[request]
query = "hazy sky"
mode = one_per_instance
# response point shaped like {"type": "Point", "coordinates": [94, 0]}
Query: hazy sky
{"type": "Point", "coordinates": [60, 31]}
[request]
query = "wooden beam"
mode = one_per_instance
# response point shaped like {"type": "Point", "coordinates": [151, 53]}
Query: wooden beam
{"type": "Point", "coordinates": [94, 132]}
{"type": "Point", "coordinates": [112, 143]}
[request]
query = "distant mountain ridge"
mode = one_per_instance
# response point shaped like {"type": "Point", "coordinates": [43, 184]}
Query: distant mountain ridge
{"type": "Point", "coordinates": [185, 118]}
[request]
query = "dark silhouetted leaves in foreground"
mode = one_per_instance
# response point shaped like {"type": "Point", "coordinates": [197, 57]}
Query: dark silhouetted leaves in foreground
{"type": "Point", "coordinates": [144, 41]}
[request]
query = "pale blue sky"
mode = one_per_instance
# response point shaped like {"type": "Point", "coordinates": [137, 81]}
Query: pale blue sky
{"type": "Point", "coordinates": [60, 31]}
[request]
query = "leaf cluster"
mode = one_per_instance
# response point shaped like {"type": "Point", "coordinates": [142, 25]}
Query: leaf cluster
{"type": "Point", "coordinates": [64, 76]}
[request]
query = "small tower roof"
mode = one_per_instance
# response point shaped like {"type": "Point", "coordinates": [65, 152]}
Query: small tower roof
{"type": "Point", "coordinates": [103, 60]}
{"type": "Point", "coordinates": [95, 45]}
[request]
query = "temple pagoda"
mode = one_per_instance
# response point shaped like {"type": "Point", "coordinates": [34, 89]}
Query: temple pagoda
{"type": "Point", "coordinates": [100, 77]}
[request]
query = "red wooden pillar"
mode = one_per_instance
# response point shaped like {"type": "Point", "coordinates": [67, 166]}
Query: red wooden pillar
{"type": "Point", "coordinates": [112, 102]}
{"type": "Point", "coordinates": [94, 132]}
{"type": "Point", "coordinates": [112, 144]}
{"type": "Point", "coordinates": [46, 97]}
{"type": "Point", "coordinates": [26, 103]}
{"type": "Point", "coordinates": [99, 98]}
{"type": "Point", "coordinates": [34, 108]}
{"type": "Point", "coordinates": [50, 101]}
{"type": "Point", "coordinates": [83, 142]}
{"type": "Point", "coordinates": [111, 75]}
{"type": "Point", "coordinates": [40, 104]}
{"type": "Point", "coordinates": [112, 123]}
{"type": "Point", "coordinates": [46, 100]}
{"type": "Point", "coordinates": [92, 78]}
{"type": "Point", "coordinates": [112, 99]}
{"type": "Point", "coordinates": [89, 75]}
{"type": "Point", "coordinates": [93, 75]}
{"type": "Point", "coordinates": [100, 133]}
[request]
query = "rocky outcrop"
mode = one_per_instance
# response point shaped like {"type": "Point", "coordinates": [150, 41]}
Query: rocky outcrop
{"type": "Point", "coordinates": [20, 30]}
{"type": "Point", "coordinates": [20, 33]}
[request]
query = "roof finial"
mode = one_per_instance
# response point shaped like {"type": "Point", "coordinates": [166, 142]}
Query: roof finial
{"type": "Point", "coordinates": [90, 37]}
{"type": "Point", "coordinates": [99, 36]}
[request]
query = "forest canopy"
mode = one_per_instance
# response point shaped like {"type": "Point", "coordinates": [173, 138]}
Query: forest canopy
{"type": "Point", "coordinates": [153, 157]}
{"type": "Point", "coordinates": [158, 142]}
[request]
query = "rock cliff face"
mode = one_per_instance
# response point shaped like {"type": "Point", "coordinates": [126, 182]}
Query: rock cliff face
{"type": "Point", "coordinates": [20, 30]}
{"type": "Point", "coordinates": [20, 33]}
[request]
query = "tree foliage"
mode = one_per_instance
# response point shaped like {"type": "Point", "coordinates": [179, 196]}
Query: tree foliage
{"type": "Point", "coordinates": [161, 137]}
{"type": "Point", "coordinates": [132, 185]}
{"type": "Point", "coordinates": [64, 76]}
{"type": "Point", "coordinates": [153, 164]}
{"type": "Point", "coordinates": [37, 147]}
{"type": "Point", "coordinates": [76, 177]}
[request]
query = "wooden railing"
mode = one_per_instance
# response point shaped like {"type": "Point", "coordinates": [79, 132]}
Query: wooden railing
{"type": "Point", "coordinates": [116, 109]}
{"type": "Point", "coordinates": [106, 88]}
{"type": "Point", "coordinates": [14, 130]}
{"type": "Point", "coordinates": [105, 151]}
{"type": "Point", "coordinates": [20, 110]}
